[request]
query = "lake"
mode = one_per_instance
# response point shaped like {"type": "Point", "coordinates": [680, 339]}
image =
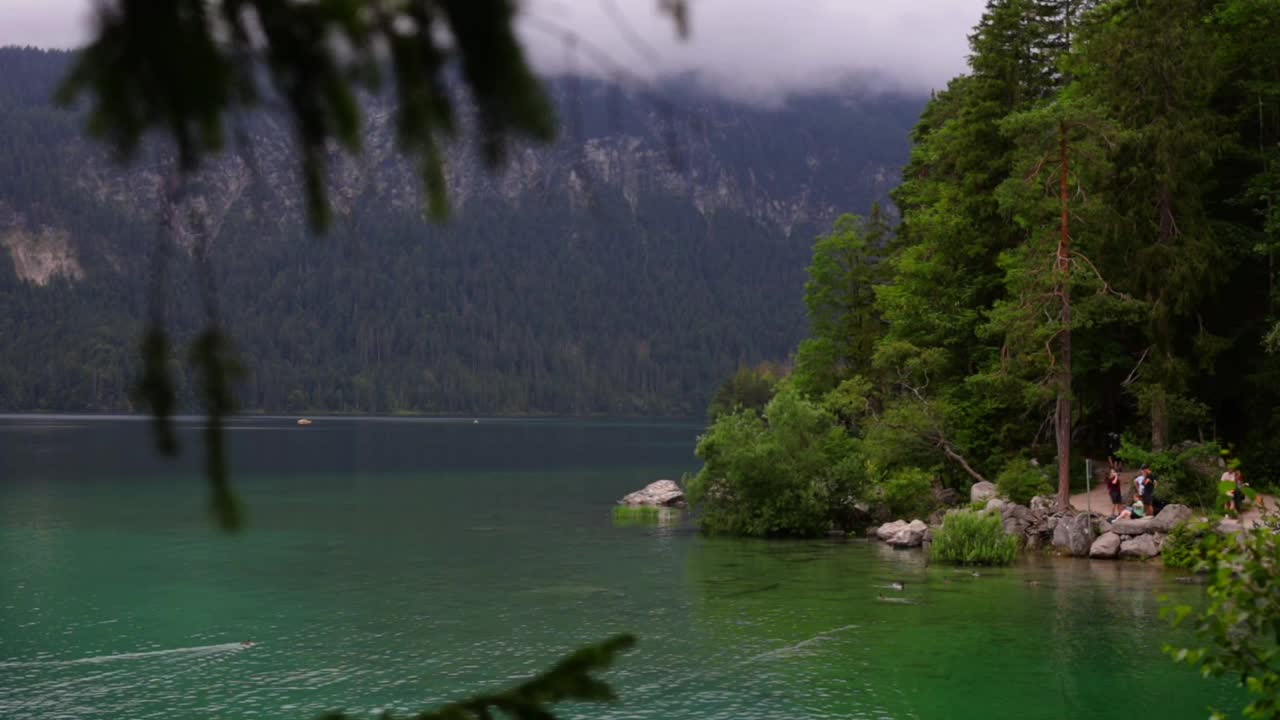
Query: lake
{"type": "Point", "coordinates": [398, 564]}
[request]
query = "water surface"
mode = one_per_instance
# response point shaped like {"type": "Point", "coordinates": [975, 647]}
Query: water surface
{"type": "Point", "coordinates": [399, 564]}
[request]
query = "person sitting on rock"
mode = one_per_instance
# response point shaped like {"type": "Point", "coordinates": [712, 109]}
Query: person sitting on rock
{"type": "Point", "coordinates": [1134, 511]}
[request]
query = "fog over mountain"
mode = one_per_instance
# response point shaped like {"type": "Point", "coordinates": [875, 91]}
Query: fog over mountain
{"type": "Point", "coordinates": [748, 49]}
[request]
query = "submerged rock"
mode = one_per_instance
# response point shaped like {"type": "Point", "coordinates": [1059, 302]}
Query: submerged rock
{"type": "Point", "coordinates": [663, 493]}
{"type": "Point", "coordinates": [1106, 546]}
{"type": "Point", "coordinates": [982, 491]}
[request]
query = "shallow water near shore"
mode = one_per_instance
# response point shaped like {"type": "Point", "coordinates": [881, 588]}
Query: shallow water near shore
{"type": "Point", "coordinates": [399, 564]}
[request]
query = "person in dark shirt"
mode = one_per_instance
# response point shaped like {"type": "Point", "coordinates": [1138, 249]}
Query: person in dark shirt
{"type": "Point", "coordinates": [1113, 488]}
{"type": "Point", "coordinates": [1149, 491]}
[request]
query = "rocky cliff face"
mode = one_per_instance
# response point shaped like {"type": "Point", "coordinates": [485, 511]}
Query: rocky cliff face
{"type": "Point", "coordinates": [674, 199]}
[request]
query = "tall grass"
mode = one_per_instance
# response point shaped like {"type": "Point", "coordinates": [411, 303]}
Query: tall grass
{"type": "Point", "coordinates": [973, 538]}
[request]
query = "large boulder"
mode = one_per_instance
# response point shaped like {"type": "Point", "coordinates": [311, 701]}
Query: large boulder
{"type": "Point", "coordinates": [1074, 535]}
{"type": "Point", "coordinates": [1139, 526]}
{"type": "Point", "coordinates": [1106, 546]}
{"type": "Point", "coordinates": [995, 505]}
{"type": "Point", "coordinates": [1140, 546]}
{"type": "Point", "coordinates": [1170, 517]}
{"type": "Point", "coordinates": [1015, 526]}
{"type": "Point", "coordinates": [663, 493]}
{"type": "Point", "coordinates": [913, 535]}
{"type": "Point", "coordinates": [889, 529]}
{"type": "Point", "coordinates": [982, 491]}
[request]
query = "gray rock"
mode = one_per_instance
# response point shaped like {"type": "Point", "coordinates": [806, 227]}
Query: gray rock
{"type": "Point", "coordinates": [890, 529]}
{"type": "Point", "coordinates": [1043, 504]}
{"type": "Point", "coordinates": [947, 496]}
{"type": "Point", "coordinates": [982, 491]}
{"type": "Point", "coordinates": [1014, 526]}
{"type": "Point", "coordinates": [663, 493]}
{"type": "Point", "coordinates": [994, 505]}
{"type": "Point", "coordinates": [1106, 546]}
{"type": "Point", "coordinates": [911, 536]}
{"type": "Point", "coordinates": [1140, 546]}
{"type": "Point", "coordinates": [1140, 526]}
{"type": "Point", "coordinates": [1159, 538]}
{"type": "Point", "coordinates": [1021, 512]}
{"type": "Point", "coordinates": [1074, 535]}
{"type": "Point", "coordinates": [1170, 517]}
{"type": "Point", "coordinates": [1229, 527]}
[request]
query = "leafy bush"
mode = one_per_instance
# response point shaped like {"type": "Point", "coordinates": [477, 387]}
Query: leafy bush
{"type": "Point", "coordinates": [909, 493]}
{"type": "Point", "coordinates": [973, 538]}
{"type": "Point", "coordinates": [1184, 475]}
{"type": "Point", "coordinates": [1238, 628]}
{"type": "Point", "coordinates": [1189, 544]}
{"type": "Point", "coordinates": [1020, 481]}
{"type": "Point", "coordinates": [790, 473]}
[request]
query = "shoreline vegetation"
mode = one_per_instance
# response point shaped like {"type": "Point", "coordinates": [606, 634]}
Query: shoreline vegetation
{"type": "Point", "coordinates": [1075, 273]}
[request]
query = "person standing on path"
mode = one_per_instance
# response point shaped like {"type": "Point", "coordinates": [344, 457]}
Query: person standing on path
{"type": "Point", "coordinates": [1113, 489]}
{"type": "Point", "coordinates": [1149, 491]}
{"type": "Point", "coordinates": [1140, 480]}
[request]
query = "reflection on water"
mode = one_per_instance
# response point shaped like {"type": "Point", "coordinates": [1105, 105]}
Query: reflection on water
{"type": "Point", "coordinates": [401, 565]}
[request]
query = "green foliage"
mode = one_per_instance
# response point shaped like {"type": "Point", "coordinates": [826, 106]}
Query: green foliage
{"type": "Point", "coordinates": [1183, 475]}
{"type": "Point", "coordinates": [1240, 625]}
{"type": "Point", "coordinates": [643, 515]}
{"type": "Point", "coordinates": [1020, 481]}
{"type": "Point", "coordinates": [909, 493]}
{"type": "Point", "coordinates": [1190, 545]}
{"type": "Point", "coordinates": [749, 388]}
{"type": "Point", "coordinates": [840, 297]}
{"type": "Point", "coordinates": [570, 680]}
{"type": "Point", "coordinates": [791, 473]}
{"type": "Point", "coordinates": [968, 537]}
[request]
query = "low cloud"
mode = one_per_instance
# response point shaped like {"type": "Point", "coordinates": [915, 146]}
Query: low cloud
{"type": "Point", "coordinates": [745, 48]}
{"type": "Point", "coordinates": [759, 48]}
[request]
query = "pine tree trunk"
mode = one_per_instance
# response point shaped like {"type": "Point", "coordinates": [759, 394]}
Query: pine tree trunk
{"type": "Point", "coordinates": [1159, 420]}
{"type": "Point", "coordinates": [1062, 413]}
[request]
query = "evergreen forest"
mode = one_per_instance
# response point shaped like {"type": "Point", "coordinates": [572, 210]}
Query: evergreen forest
{"type": "Point", "coordinates": [1084, 267]}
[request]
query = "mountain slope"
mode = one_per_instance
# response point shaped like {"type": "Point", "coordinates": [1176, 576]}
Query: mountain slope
{"type": "Point", "coordinates": [625, 269]}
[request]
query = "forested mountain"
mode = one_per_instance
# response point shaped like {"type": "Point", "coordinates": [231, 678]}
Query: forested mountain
{"type": "Point", "coordinates": [628, 268]}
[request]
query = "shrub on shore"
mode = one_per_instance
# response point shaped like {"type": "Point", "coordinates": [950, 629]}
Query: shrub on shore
{"type": "Point", "coordinates": [1020, 481]}
{"type": "Point", "coordinates": [788, 473]}
{"type": "Point", "coordinates": [1189, 545]}
{"type": "Point", "coordinates": [909, 493]}
{"type": "Point", "coordinates": [973, 538]}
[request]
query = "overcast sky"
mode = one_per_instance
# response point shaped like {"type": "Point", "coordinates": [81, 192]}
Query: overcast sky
{"type": "Point", "coordinates": [743, 47]}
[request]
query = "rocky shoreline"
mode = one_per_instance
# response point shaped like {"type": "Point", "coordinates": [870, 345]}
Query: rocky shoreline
{"type": "Point", "coordinates": [1041, 526]}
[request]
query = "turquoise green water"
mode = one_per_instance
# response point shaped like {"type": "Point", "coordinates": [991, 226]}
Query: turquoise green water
{"type": "Point", "coordinates": [399, 564]}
